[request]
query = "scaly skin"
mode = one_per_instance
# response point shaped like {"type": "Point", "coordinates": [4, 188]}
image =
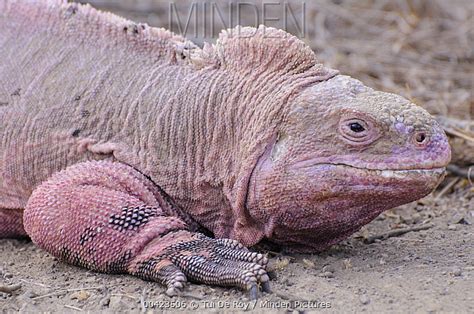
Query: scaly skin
{"type": "Point", "coordinates": [347, 178]}
{"type": "Point", "coordinates": [108, 217]}
{"type": "Point", "coordinates": [122, 143]}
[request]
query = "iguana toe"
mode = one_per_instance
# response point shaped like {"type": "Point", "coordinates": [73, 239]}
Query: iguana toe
{"type": "Point", "coordinates": [202, 259]}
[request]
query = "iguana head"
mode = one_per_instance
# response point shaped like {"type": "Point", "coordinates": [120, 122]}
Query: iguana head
{"type": "Point", "coordinates": [343, 154]}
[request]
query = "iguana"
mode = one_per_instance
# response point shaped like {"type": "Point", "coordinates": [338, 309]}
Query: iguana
{"type": "Point", "coordinates": [128, 149]}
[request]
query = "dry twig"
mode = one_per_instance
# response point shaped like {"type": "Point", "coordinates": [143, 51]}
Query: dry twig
{"type": "Point", "coordinates": [462, 172]}
{"type": "Point", "coordinates": [10, 288]}
{"type": "Point", "coordinates": [396, 233]}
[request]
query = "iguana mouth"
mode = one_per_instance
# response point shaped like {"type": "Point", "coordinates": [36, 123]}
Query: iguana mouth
{"type": "Point", "coordinates": [375, 168]}
{"type": "Point", "coordinates": [391, 173]}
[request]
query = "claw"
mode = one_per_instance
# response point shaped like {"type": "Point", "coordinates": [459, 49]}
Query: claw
{"type": "Point", "coordinates": [253, 292]}
{"type": "Point", "coordinates": [178, 285]}
{"type": "Point", "coordinates": [175, 287]}
{"type": "Point", "coordinates": [217, 262]}
{"type": "Point", "coordinates": [266, 287]}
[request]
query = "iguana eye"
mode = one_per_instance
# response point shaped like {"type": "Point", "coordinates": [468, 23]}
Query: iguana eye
{"type": "Point", "coordinates": [356, 127]}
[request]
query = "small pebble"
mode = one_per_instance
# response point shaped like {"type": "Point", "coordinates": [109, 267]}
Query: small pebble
{"type": "Point", "coordinates": [114, 301]}
{"type": "Point", "coordinates": [105, 301]}
{"type": "Point", "coordinates": [364, 299]}
{"type": "Point", "coordinates": [457, 272]}
{"type": "Point", "coordinates": [308, 263]}
{"type": "Point", "coordinates": [416, 217]}
{"type": "Point", "coordinates": [288, 283]}
{"type": "Point", "coordinates": [30, 294]}
{"type": "Point", "coordinates": [327, 274]}
{"type": "Point", "coordinates": [280, 264]}
{"type": "Point", "coordinates": [347, 263]}
{"type": "Point", "coordinates": [452, 227]}
{"type": "Point", "coordinates": [80, 295]}
{"type": "Point", "coordinates": [329, 268]}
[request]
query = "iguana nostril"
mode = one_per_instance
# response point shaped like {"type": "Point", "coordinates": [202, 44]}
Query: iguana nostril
{"type": "Point", "coordinates": [421, 137]}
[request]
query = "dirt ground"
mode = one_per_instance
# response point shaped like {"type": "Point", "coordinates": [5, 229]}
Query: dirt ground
{"type": "Point", "coordinates": [425, 271]}
{"type": "Point", "coordinates": [382, 268]}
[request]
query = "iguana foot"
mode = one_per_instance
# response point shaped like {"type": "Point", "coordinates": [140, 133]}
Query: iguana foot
{"type": "Point", "coordinates": [108, 217]}
{"type": "Point", "coordinates": [222, 262]}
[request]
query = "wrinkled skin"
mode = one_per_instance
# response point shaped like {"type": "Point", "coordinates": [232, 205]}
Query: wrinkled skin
{"type": "Point", "coordinates": [319, 167]}
{"type": "Point", "coordinates": [121, 143]}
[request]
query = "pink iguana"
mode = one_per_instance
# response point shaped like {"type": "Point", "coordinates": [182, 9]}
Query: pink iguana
{"type": "Point", "coordinates": [122, 144]}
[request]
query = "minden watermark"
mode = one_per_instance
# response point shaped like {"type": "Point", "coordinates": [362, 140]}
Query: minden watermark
{"type": "Point", "coordinates": [236, 305]}
{"type": "Point", "coordinates": [206, 19]}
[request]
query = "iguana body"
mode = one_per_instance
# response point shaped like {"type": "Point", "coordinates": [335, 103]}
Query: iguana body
{"type": "Point", "coordinates": [121, 142]}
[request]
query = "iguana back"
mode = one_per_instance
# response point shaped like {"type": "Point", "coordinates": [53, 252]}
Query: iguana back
{"type": "Point", "coordinates": [73, 81]}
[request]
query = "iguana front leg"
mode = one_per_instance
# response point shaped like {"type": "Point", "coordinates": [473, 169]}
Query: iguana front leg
{"type": "Point", "coordinates": [108, 217]}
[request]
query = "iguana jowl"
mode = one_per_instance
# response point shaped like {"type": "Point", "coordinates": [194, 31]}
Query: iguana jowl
{"type": "Point", "coordinates": [120, 143]}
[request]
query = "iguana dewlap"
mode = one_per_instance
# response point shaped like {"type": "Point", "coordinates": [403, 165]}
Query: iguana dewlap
{"type": "Point", "coordinates": [119, 143]}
